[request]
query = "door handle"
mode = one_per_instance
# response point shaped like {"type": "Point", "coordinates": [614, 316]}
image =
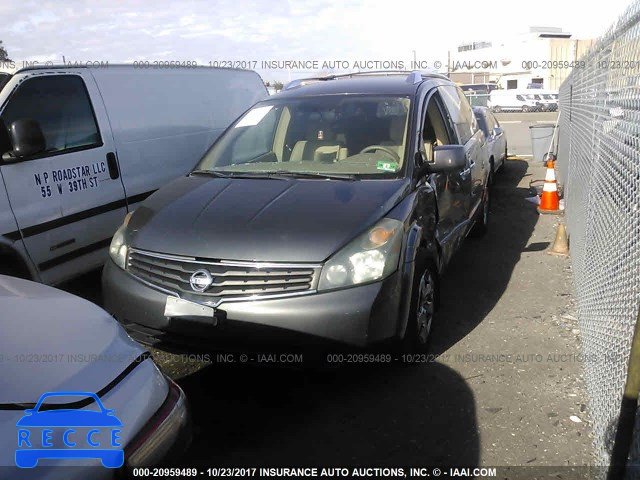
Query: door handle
{"type": "Point", "coordinates": [112, 163]}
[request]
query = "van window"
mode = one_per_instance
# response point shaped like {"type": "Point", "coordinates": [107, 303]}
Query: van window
{"type": "Point", "coordinates": [435, 130]}
{"type": "Point", "coordinates": [461, 113]}
{"type": "Point", "coordinates": [520, 97]}
{"type": "Point", "coordinates": [61, 105]}
{"type": "Point", "coordinates": [364, 135]}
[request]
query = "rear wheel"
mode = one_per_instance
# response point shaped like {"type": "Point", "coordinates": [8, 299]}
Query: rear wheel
{"type": "Point", "coordinates": [504, 159]}
{"type": "Point", "coordinates": [525, 108]}
{"type": "Point", "coordinates": [497, 109]}
{"type": "Point", "coordinates": [482, 223]}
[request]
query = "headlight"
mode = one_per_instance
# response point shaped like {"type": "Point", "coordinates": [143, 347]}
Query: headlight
{"type": "Point", "coordinates": [118, 249]}
{"type": "Point", "coordinates": [167, 434]}
{"type": "Point", "coordinates": [369, 257]}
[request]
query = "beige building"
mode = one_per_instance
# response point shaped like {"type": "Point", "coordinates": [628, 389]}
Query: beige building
{"type": "Point", "coordinates": [543, 55]}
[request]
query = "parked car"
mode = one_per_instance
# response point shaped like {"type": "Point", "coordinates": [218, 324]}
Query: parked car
{"type": "Point", "coordinates": [496, 138]}
{"type": "Point", "coordinates": [327, 212]}
{"type": "Point", "coordinates": [54, 342]}
{"type": "Point", "coordinates": [512, 100]}
{"type": "Point", "coordinates": [551, 100]}
{"type": "Point", "coordinates": [80, 147]}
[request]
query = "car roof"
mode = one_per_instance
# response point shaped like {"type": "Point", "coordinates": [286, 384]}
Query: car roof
{"type": "Point", "coordinates": [379, 83]}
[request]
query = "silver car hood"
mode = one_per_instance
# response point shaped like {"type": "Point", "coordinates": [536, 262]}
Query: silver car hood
{"type": "Point", "coordinates": [51, 341]}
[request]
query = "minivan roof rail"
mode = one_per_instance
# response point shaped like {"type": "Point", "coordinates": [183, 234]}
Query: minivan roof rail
{"type": "Point", "coordinates": [413, 77]}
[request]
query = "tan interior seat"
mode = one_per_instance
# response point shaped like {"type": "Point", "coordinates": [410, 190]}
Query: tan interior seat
{"type": "Point", "coordinates": [318, 151]}
{"type": "Point", "coordinates": [396, 135]}
{"type": "Point", "coordinates": [326, 149]}
{"type": "Point", "coordinates": [429, 139]}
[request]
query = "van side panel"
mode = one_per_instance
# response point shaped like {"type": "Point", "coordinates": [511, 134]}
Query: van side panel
{"type": "Point", "coordinates": [11, 245]}
{"type": "Point", "coordinates": [164, 120]}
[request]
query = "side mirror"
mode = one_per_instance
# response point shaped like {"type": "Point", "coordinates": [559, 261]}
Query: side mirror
{"type": "Point", "coordinates": [497, 131]}
{"type": "Point", "coordinates": [447, 158]}
{"type": "Point", "coordinates": [27, 139]}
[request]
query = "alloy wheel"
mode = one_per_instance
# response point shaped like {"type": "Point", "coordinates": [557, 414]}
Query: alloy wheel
{"type": "Point", "coordinates": [425, 306]}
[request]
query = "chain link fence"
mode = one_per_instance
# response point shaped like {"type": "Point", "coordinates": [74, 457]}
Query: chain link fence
{"type": "Point", "coordinates": [599, 165]}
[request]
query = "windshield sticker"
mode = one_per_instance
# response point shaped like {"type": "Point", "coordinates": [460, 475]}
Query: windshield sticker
{"type": "Point", "coordinates": [253, 117]}
{"type": "Point", "coordinates": [387, 166]}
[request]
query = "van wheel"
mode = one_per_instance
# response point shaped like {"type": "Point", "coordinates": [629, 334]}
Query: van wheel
{"type": "Point", "coordinates": [424, 302]}
{"type": "Point", "coordinates": [13, 268]}
{"type": "Point", "coordinates": [525, 108]}
{"type": "Point", "coordinates": [497, 109]}
{"type": "Point", "coordinates": [482, 224]}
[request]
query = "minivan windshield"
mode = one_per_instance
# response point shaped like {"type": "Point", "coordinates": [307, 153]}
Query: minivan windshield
{"type": "Point", "coordinates": [353, 135]}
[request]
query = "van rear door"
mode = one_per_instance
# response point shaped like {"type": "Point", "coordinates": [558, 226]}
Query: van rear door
{"type": "Point", "coordinates": [69, 199]}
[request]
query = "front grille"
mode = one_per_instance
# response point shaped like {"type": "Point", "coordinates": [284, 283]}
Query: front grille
{"type": "Point", "coordinates": [230, 279]}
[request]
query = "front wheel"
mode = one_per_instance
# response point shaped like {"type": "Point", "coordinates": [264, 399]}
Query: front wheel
{"type": "Point", "coordinates": [424, 301]}
{"type": "Point", "coordinates": [525, 109]}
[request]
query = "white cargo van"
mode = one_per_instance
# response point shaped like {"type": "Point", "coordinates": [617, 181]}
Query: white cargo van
{"type": "Point", "coordinates": [80, 147]}
{"type": "Point", "coordinates": [512, 100]}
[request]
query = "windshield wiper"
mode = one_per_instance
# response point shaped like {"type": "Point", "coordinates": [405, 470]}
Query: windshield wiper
{"type": "Point", "coordinates": [216, 173]}
{"type": "Point", "coordinates": [332, 176]}
{"type": "Point", "coordinates": [213, 173]}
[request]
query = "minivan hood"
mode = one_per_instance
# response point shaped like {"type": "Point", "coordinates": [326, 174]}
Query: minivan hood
{"type": "Point", "coordinates": [54, 341]}
{"type": "Point", "coordinates": [277, 220]}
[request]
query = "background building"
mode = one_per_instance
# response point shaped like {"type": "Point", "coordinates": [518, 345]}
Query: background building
{"type": "Point", "coordinates": [542, 56]}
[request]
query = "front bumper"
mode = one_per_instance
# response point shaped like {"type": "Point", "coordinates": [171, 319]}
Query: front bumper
{"type": "Point", "coordinates": [357, 316]}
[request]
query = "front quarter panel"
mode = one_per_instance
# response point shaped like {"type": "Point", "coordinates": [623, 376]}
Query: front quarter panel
{"type": "Point", "coordinates": [418, 212]}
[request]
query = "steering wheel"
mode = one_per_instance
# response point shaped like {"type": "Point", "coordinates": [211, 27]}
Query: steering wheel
{"type": "Point", "coordinates": [393, 154]}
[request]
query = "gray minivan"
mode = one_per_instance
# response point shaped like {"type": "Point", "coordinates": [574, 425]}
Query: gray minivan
{"type": "Point", "coordinates": [326, 212]}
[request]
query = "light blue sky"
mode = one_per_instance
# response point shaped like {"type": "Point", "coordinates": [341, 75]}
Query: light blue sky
{"type": "Point", "coordinates": [255, 31]}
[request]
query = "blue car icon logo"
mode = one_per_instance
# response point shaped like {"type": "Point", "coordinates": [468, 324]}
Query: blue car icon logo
{"type": "Point", "coordinates": [59, 432]}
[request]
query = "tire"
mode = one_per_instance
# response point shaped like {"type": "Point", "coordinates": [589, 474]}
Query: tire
{"type": "Point", "coordinates": [496, 109]}
{"type": "Point", "coordinates": [525, 109]}
{"type": "Point", "coordinates": [481, 226]}
{"type": "Point", "coordinates": [12, 267]}
{"type": "Point", "coordinates": [424, 303]}
{"type": "Point", "coordinates": [504, 160]}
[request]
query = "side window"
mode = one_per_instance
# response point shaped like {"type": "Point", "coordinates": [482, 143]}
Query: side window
{"type": "Point", "coordinates": [520, 97]}
{"type": "Point", "coordinates": [490, 123]}
{"type": "Point", "coordinates": [467, 111]}
{"type": "Point", "coordinates": [436, 129]}
{"type": "Point", "coordinates": [461, 114]}
{"type": "Point", "coordinates": [61, 106]}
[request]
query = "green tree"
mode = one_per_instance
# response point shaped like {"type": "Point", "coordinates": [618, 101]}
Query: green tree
{"type": "Point", "coordinates": [4, 56]}
{"type": "Point", "coordinates": [278, 86]}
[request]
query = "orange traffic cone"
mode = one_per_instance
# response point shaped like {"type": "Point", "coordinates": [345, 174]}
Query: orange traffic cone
{"type": "Point", "coordinates": [549, 200]}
